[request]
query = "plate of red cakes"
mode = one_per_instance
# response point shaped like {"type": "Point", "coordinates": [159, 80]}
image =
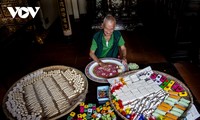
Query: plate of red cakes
{"type": "Point", "coordinates": [113, 68]}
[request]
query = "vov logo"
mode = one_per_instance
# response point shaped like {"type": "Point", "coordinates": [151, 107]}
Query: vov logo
{"type": "Point", "coordinates": [23, 12]}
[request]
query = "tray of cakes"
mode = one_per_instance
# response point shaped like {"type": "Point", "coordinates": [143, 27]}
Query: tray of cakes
{"type": "Point", "coordinates": [47, 93]}
{"type": "Point", "coordinates": [149, 94]}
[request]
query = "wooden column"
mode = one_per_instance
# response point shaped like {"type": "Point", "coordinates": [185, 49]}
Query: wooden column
{"type": "Point", "coordinates": [64, 16]}
{"type": "Point", "coordinates": [82, 4]}
{"type": "Point", "coordinates": [75, 9]}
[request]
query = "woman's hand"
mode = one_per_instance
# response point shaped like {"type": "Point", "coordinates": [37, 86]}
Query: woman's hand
{"type": "Point", "coordinates": [102, 64]}
{"type": "Point", "coordinates": [124, 61]}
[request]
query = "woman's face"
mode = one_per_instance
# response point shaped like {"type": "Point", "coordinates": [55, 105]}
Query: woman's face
{"type": "Point", "coordinates": [108, 28]}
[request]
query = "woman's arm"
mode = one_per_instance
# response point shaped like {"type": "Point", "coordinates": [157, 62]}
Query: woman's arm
{"type": "Point", "coordinates": [123, 52]}
{"type": "Point", "coordinates": [95, 58]}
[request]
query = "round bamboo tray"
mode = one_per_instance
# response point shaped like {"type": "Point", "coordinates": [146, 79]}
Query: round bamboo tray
{"type": "Point", "coordinates": [189, 97]}
{"type": "Point", "coordinates": [47, 93]}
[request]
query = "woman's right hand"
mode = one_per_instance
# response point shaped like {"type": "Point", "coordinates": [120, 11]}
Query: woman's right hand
{"type": "Point", "coordinates": [102, 64]}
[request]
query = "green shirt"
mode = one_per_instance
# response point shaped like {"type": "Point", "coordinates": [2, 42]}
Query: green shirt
{"type": "Point", "coordinates": [105, 47]}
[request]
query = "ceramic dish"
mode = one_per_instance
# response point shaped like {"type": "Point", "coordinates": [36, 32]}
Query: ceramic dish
{"type": "Point", "coordinates": [89, 70]}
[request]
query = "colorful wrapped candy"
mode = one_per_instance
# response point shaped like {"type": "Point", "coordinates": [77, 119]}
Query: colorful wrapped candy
{"type": "Point", "coordinates": [91, 112]}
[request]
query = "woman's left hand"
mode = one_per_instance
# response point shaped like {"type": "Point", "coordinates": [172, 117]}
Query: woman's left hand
{"type": "Point", "coordinates": [124, 61]}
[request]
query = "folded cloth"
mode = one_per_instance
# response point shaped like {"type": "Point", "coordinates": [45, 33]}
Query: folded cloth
{"type": "Point", "coordinates": [133, 66]}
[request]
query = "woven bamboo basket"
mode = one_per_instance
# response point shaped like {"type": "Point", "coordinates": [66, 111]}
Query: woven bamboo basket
{"type": "Point", "coordinates": [45, 82]}
{"type": "Point", "coordinates": [189, 97]}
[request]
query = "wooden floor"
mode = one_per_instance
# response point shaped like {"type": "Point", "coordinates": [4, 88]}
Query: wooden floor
{"type": "Point", "coordinates": [26, 56]}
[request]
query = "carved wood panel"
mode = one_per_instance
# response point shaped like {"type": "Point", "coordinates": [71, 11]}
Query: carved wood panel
{"type": "Point", "coordinates": [123, 10]}
{"type": "Point", "coordinates": [6, 20]}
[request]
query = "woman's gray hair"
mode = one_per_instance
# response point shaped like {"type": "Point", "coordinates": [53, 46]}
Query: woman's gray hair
{"type": "Point", "coordinates": [109, 17]}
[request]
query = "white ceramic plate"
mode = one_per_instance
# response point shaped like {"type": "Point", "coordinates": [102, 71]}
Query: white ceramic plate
{"type": "Point", "coordinates": [89, 69]}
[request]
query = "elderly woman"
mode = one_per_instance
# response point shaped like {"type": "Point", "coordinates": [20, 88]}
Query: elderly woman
{"type": "Point", "coordinates": [108, 42]}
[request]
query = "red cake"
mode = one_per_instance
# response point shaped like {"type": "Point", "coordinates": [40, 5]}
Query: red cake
{"type": "Point", "coordinates": [111, 70]}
